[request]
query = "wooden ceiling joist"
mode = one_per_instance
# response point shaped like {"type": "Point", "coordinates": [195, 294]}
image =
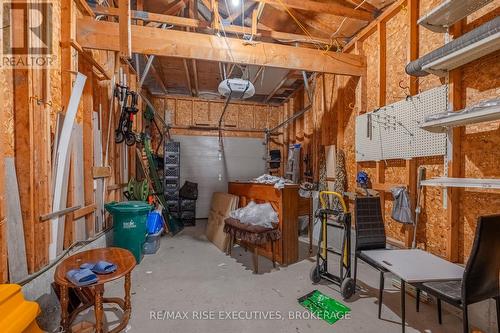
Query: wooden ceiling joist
{"type": "Point", "coordinates": [278, 87]}
{"type": "Point", "coordinates": [322, 7]}
{"type": "Point", "coordinates": [195, 76]}
{"type": "Point", "coordinates": [172, 43]}
{"type": "Point", "coordinates": [365, 5]}
{"type": "Point", "coordinates": [197, 24]}
{"type": "Point", "coordinates": [188, 77]}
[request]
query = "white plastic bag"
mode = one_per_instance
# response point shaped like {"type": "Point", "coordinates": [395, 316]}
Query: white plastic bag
{"type": "Point", "coordinates": [256, 214]}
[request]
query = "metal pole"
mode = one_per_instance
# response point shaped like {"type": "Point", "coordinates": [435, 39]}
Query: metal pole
{"type": "Point", "coordinates": [292, 118]}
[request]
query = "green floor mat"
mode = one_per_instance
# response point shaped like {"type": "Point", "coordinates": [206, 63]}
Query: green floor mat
{"type": "Point", "coordinates": [324, 307]}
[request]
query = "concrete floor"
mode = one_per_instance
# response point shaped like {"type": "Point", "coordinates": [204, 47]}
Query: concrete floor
{"type": "Point", "coordinates": [189, 274]}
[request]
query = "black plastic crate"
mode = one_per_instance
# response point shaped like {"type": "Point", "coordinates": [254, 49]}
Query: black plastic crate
{"type": "Point", "coordinates": [189, 222]}
{"type": "Point", "coordinates": [172, 195]}
{"type": "Point", "coordinates": [173, 205]}
{"type": "Point", "coordinates": [187, 204]}
{"type": "Point", "coordinates": [172, 172]}
{"type": "Point", "coordinates": [186, 215]}
{"type": "Point", "coordinates": [172, 185]}
{"type": "Point", "coordinates": [172, 147]}
{"type": "Point", "coordinates": [171, 159]}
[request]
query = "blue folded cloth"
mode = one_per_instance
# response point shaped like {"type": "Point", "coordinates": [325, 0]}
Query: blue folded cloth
{"type": "Point", "coordinates": [81, 277]}
{"type": "Point", "coordinates": [101, 267]}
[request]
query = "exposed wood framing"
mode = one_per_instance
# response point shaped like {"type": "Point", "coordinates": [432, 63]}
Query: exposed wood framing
{"type": "Point", "coordinates": [188, 77]}
{"type": "Point", "coordinates": [322, 7]}
{"type": "Point", "coordinates": [382, 64]}
{"type": "Point", "coordinates": [24, 151]}
{"type": "Point", "coordinates": [390, 12]}
{"type": "Point", "coordinates": [413, 47]}
{"type": "Point", "coordinates": [411, 179]}
{"type": "Point", "coordinates": [197, 24]}
{"type": "Point", "coordinates": [104, 35]}
{"type": "Point", "coordinates": [195, 77]}
{"type": "Point", "coordinates": [258, 74]}
{"type": "Point", "coordinates": [84, 7]}
{"type": "Point", "coordinates": [215, 15]}
{"type": "Point", "coordinates": [88, 147]}
{"type": "Point", "coordinates": [254, 22]}
{"type": "Point", "coordinates": [89, 58]}
{"type": "Point", "coordinates": [277, 88]}
{"type": "Point", "coordinates": [365, 5]}
{"type": "Point", "coordinates": [125, 25]}
{"type": "Point", "coordinates": [84, 211]}
{"type": "Point", "coordinates": [454, 163]}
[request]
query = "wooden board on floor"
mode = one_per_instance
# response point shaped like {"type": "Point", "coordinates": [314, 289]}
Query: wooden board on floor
{"type": "Point", "coordinates": [18, 267]}
{"type": "Point", "coordinates": [63, 192]}
{"type": "Point", "coordinates": [78, 193]}
{"type": "Point", "coordinates": [98, 183]}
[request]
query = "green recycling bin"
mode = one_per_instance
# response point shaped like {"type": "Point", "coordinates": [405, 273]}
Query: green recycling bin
{"type": "Point", "coordinates": [129, 225]}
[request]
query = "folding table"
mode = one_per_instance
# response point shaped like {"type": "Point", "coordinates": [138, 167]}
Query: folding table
{"type": "Point", "coordinates": [414, 266]}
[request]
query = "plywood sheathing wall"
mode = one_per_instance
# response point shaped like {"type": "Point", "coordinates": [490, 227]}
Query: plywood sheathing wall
{"type": "Point", "coordinates": [193, 112]}
{"type": "Point", "coordinates": [341, 99]}
{"type": "Point", "coordinates": [31, 100]}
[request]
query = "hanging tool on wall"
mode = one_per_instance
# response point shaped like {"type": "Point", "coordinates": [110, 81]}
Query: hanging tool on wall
{"type": "Point", "coordinates": [128, 109]}
{"type": "Point", "coordinates": [418, 208]}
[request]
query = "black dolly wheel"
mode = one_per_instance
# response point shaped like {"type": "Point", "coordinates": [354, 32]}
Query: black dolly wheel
{"type": "Point", "coordinates": [347, 288]}
{"type": "Point", "coordinates": [315, 274]}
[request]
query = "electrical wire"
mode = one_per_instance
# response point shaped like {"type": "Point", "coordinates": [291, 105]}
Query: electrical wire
{"type": "Point", "coordinates": [60, 257]}
{"type": "Point", "coordinates": [343, 21]}
{"type": "Point", "coordinates": [301, 26]}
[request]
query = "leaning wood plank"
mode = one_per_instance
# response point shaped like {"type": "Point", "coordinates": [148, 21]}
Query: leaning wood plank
{"type": "Point", "coordinates": [61, 158]}
{"type": "Point", "coordinates": [172, 43]}
{"type": "Point", "coordinates": [98, 165]}
{"type": "Point", "coordinates": [78, 191]}
{"type": "Point", "coordinates": [18, 267]}
{"type": "Point", "coordinates": [65, 191]}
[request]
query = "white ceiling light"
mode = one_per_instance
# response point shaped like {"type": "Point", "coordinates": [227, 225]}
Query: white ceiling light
{"type": "Point", "coordinates": [235, 3]}
{"type": "Point", "coordinates": [237, 88]}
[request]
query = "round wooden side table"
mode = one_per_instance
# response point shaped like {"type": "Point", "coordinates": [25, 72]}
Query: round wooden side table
{"type": "Point", "coordinates": [125, 262]}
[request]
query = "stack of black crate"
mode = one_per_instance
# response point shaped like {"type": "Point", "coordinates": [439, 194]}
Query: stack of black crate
{"type": "Point", "coordinates": [188, 211]}
{"type": "Point", "coordinates": [172, 177]}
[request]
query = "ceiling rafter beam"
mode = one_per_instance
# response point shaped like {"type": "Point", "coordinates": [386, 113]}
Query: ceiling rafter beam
{"type": "Point", "coordinates": [103, 35]}
{"type": "Point", "coordinates": [365, 5]}
{"type": "Point", "coordinates": [262, 30]}
{"type": "Point", "coordinates": [323, 7]}
{"type": "Point", "coordinates": [188, 77]}
{"type": "Point", "coordinates": [278, 86]}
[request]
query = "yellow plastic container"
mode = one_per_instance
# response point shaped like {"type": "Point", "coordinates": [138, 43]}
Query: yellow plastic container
{"type": "Point", "coordinates": [18, 314]}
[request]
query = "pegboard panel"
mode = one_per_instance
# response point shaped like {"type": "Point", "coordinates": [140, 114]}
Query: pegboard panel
{"type": "Point", "coordinates": [393, 132]}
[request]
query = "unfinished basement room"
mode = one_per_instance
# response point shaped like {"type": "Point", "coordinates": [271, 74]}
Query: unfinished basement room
{"type": "Point", "coordinates": [255, 166]}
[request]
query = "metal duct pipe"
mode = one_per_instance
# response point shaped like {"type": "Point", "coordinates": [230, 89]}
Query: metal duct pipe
{"type": "Point", "coordinates": [485, 32]}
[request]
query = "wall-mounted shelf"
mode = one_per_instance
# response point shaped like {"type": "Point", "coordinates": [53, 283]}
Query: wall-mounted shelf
{"type": "Point", "coordinates": [463, 182]}
{"type": "Point", "coordinates": [461, 119]}
{"type": "Point", "coordinates": [464, 55]}
{"type": "Point", "coordinates": [449, 12]}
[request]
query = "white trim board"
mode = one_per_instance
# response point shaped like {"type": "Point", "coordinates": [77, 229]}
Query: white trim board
{"type": "Point", "coordinates": [60, 165]}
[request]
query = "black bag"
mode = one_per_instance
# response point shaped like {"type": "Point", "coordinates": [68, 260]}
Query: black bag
{"type": "Point", "coordinates": [189, 190]}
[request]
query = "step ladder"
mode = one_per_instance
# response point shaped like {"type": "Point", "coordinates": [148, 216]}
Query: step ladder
{"type": "Point", "coordinates": [18, 315]}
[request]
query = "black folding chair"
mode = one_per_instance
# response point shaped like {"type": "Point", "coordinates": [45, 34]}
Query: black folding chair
{"type": "Point", "coordinates": [481, 276]}
{"type": "Point", "coordinates": [370, 235]}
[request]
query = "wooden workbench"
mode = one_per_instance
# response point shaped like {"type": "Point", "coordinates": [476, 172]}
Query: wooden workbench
{"type": "Point", "coordinates": [286, 203]}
